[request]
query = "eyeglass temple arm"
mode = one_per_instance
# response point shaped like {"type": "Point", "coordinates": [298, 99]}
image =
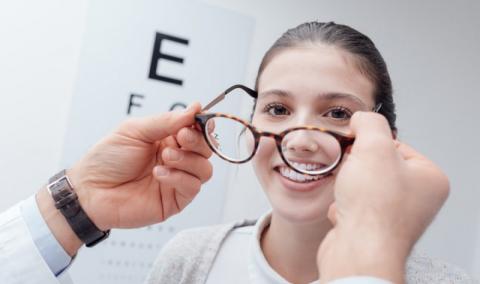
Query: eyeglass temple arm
{"type": "Point", "coordinates": [377, 107]}
{"type": "Point", "coordinates": [220, 97]}
{"type": "Point", "coordinates": [214, 101]}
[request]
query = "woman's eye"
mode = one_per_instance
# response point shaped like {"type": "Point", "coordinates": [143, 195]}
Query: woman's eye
{"type": "Point", "coordinates": [276, 109]}
{"type": "Point", "coordinates": [339, 113]}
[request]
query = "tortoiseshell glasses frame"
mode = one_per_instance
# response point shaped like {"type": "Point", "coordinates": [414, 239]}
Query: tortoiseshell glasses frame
{"type": "Point", "coordinates": [202, 119]}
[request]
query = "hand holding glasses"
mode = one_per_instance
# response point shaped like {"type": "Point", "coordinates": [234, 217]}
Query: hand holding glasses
{"type": "Point", "coordinates": [307, 150]}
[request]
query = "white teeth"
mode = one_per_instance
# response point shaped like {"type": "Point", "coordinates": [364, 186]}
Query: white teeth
{"type": "Point", "coordinates": [306, 166]}
{"type": "Point", "coordinates": [293, 175]}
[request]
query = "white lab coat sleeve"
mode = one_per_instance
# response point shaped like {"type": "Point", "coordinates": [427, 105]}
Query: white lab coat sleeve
{"type": "Point", "coordinates": [20, 260]}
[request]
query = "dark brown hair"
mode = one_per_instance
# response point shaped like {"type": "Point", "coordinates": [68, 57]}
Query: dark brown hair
{"type": "Point", "coordinates": [367, 57]}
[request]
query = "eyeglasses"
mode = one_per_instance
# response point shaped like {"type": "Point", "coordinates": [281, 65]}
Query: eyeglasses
{"type": "Point", "coordinates": [307, 150]}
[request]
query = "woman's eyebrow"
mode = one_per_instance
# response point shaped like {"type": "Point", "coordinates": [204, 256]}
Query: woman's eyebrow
{"type": "Point", "coordinates": [342, 96]}
{"type": "Point", "coordinates": [275, 92]}
{"type": "Point", "coordinates": [320, 97]}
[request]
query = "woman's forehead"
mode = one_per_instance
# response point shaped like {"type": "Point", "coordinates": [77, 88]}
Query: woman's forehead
{"type": "Point", "coordinates": [314, 70]}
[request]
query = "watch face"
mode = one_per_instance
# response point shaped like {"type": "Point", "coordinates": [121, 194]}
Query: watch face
{"type": "Point", "coordinates": [61, 189]}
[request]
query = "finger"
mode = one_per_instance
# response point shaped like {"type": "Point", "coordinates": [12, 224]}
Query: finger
{"type": "Point", "coordinates": [421, 164]}
{"type": "Point", "coordinates": [189, 162]}
{"type": "Point", "coordinates": [210, 126]}
{"type": "Point", "coordinates": [185, 186]}
{"type": "Point", "coordinates": [170, 141]}
{"type": "Point", "coordinates": [372, 132]}
{"type": "Point", "coordinates": [332, 214]}
{"type": "Point", "coordinates": [157, 127]}
{"type": "Point", "coordinates": [408, 152]}
{"type": "Point", "coordinates": [192, 140]}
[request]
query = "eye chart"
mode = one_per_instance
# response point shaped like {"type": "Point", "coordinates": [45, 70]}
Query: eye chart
{"type": "Point", "coordinates": [145, 57]}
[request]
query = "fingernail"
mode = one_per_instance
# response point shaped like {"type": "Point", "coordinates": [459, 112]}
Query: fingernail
{"type": "Point", "coordinates": [161, 171]}
{"type": "Point", "coordinates": [174, 155]}
{"type": "Point", "coordinates": [188, 108]}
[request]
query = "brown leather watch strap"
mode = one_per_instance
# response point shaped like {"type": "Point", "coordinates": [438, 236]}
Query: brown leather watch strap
{"type": "Point", "coordinates": [66, 200]}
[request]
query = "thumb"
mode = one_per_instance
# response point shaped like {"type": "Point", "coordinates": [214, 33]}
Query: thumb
{"type": "Point", "coordinates": [372, 132]}
{"type": "Point", "coordinates": [157, 127]}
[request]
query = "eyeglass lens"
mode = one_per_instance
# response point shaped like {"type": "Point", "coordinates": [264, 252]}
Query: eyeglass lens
{"type": "Point", "coordinates": [310, 151]}
{"type": "Point", "coordinates": [237, 147]}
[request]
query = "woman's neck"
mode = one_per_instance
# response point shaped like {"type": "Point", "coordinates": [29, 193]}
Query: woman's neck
{"type": "Point", "coordinates": [291, 248]}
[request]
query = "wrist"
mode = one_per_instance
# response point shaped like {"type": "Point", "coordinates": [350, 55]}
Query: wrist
{"type": "Point", "coordinates": [85, 198]}
{"type": "Point", "coordinates": [361, 253]}
{"type": "Point", "coordinates": [66, 200]}
{"type": "Point", "coordinates": [57, 223]}
{"type": "Point", "coordinates": [90, 199]}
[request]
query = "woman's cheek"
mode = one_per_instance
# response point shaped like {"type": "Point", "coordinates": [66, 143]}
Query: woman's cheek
{"type": "Point", "coordinates": [262, 161]}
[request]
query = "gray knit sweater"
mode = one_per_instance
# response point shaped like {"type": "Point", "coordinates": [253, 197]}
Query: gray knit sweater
{"type": "Point", "coordinates": [189, 256]}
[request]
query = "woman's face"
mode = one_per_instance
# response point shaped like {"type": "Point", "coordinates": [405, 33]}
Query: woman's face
{"type": "Point", "coordinates": [319, 86]}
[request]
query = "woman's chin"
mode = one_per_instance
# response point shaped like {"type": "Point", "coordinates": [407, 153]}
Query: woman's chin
{"type": "Point", "coordinates": [301, 211]}
{"type": "Point", "coordinates": [301, 202]}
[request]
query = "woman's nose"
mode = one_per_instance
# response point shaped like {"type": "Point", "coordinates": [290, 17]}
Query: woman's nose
{"type": "Point", "coordinates": [301, 141]}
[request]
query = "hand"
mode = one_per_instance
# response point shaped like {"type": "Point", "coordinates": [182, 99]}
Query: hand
{"type": "Point", "coordinates": [118, 182]}
{"type": "Point", "coordinates": [386, 194]}
{"type": "Point", "coordinates": [144, 172]}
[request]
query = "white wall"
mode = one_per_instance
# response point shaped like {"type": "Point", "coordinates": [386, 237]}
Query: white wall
{"type": "Point", "coordinates": [430, 47]}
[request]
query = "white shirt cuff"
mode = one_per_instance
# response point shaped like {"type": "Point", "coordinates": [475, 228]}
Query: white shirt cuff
{"type": "Point", "coordinates": [50, 249]}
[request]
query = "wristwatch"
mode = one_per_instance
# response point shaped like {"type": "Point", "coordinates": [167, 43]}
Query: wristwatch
{"type": "Point", "coordinates": [66, 200]}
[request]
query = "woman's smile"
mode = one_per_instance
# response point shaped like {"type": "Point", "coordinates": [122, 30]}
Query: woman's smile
{"type": "Point", "coordinates": [295, 181]}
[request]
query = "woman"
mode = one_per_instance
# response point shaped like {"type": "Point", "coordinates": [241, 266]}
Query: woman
{"type": "Point", "coordinates": [315, 74]}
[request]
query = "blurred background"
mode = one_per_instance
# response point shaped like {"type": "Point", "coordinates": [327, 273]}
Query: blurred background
{"type": "Point", "coordinates": [431, 48]}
